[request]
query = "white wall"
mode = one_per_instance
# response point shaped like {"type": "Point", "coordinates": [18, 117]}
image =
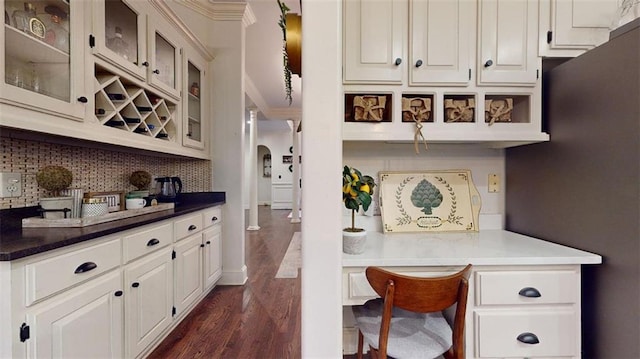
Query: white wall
{"type": "Point", "coordinates": [264, 183]}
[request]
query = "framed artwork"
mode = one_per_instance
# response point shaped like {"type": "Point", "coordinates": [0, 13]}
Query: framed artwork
{"type": "Point", "coordinates": [429, 201]}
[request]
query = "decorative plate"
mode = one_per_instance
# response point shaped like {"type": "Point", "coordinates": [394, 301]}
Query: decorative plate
{"type": "Point", "coordinates": [429, 201]}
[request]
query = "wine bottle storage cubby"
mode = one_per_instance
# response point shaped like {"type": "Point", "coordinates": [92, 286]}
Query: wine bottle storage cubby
{"type": "Point", "coordinates": [121, 104]}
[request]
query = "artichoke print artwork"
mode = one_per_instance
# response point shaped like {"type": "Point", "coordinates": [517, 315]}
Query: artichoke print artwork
{"type": "Point", "coordinates": [426, 196]}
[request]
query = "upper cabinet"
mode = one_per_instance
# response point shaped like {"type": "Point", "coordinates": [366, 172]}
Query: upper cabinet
{"type": "Point", "coordinates": [571, 27]}
{"type": "Point", "coordinates": [441, 42]}
{"type": "Point", "coordinates": [195, 113]}
{"type": "Point", "coordinates": [508, 31]}
{"type": "Point", "coordinates": [42, 57]}
{"type": "Point", "coordinates": [376, 34]}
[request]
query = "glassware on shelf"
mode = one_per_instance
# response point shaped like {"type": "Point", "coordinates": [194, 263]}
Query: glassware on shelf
{"type": "Point", "coordinates": [195, 89]}
{"type": "Point", "coordinates": [26, 20]}
{"type": "Point", "coordinates": [57, 36]}
{"type": "Point", "coordinates": [118, 45]}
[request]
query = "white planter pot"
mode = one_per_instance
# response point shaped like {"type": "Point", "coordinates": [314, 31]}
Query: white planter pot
{"type": "Point", "coordinates": [354, 242]}
{"type": "Point", "coordinates": [56, 203]}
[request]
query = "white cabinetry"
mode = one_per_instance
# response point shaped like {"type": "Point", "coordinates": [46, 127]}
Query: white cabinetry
{"type": "Point", "coordinates": [571, 27]}
{"type": "Point", "coordinates": [188, 269]}
{"type": "Point", "coordinates": [512, 311]}
{"type": "Point", "coordinates": [149, 299]}
{"type": "Point", "coordinates": [43, 72]}
{"type": "Point", "coordinates": [212, 238]}
{"type": "Point", "coordinates": [195, 89]}
{"type": "Point", "coordinates": [507, 53]}
{"type": "Point", "coordinates": [441, 42]}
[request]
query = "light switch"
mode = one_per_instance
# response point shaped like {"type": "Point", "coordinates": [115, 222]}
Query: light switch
{"type": "Point", "coordinates": [494, 183]}
{"type": "Point", "coordinates": [11, 184]}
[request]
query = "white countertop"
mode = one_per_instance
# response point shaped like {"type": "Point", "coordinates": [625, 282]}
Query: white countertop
{"type": "Point", "coordinates": [486, 247]}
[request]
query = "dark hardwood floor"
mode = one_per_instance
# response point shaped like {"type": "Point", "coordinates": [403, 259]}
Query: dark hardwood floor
{"type": "Point", "coordinates": [258, 320]}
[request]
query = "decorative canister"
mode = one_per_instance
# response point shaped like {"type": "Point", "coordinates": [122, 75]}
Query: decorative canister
{"type": "Point", "coordinates": [94, 207]}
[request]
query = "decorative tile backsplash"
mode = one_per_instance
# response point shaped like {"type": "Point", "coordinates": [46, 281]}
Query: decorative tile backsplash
{"type": "Point", "coordinates": [94, 170]}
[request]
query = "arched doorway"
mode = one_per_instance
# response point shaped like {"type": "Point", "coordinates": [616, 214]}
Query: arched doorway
{"type": "Point", "coordinates": [264, 175]}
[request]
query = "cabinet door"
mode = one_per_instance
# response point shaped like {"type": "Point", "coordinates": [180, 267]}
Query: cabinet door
{"type": "Point", "coordinates": [440, 41]}
{"type": "Point", "coordinates": [149, 296]}
{"type": "Point", "coordinates": [119, 35]}
{"type": "Point", "coordinates": [84, 323]}
{"type": "Point", "coordinates": [574, 26]}
{"type": "Point", "coordinates": [212, 255]}
{"type": "Point", "coordinates": [188, 271]}
{"type": "Point", "coordinates": [374, 38]}
{"type": "Point", "coordinates": [508, 41]}
{"type": "Point", "coordinates": [42, 57]}
{"type": "Point", "coordinates": [194, 109]}
{"type": "Point", "coordinates": [164, 57]}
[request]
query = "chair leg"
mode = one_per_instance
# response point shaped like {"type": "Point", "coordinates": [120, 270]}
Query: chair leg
{"type": "Point", "coordinates": [360, 344]}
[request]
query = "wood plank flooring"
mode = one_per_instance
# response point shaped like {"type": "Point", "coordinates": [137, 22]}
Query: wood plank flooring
{"type": "Point", "coordinates": [258, 320]}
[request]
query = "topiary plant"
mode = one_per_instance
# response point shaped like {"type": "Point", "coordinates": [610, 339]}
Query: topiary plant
{"type": "Point", "coordinates": [140, 179]}
{"type": "Point", "coordinates": [54, 179]}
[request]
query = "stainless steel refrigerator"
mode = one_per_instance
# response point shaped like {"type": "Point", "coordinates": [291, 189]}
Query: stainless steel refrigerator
{"type": "Point", "coordinates": [582, 188]}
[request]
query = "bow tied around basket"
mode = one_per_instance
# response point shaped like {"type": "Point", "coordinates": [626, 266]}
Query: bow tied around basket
{"type": "Point", "coordinates": [417, 109]}
{"type": "Point", "coordinates": [369, 107]}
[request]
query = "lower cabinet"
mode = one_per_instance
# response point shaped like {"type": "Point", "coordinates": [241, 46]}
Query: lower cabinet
{"type": "Point", "coordinates": [188, 271]}
{"type": "Point", "coordinates": [116, 296]}
{"type": "Point", "coordinates": [85, 323]}
{"type": "Point", "coordinates": [149, 299]}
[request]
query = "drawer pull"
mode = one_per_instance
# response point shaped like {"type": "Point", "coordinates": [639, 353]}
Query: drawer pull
{"type": "Point", "coordinates": [85, 267]}
{"type": "Point", "coordinates": [118, 293]}
{"type": "Point", "coordinates": [201, 245]}
{"type": "Point", "coordinates": [214, 218]}
{"type": "Point", "coordinates": [208, 242]}
{"type": "Point", "coordinates": [135, 284]}
{"type": "Point", "coordinates": [192, 227]}
{"type": "Point", "coordinates": [528, 338]}
{"type": "Point", "coordinates": [153, 242]}
{"type": "Point", "coordinates": [530, 292]}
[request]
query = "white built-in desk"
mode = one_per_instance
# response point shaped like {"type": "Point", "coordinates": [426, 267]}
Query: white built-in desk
{"type": "Point", "coordinates": [504, 263]}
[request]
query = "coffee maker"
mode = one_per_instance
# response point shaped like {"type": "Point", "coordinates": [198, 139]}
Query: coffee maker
{"type": "Point", "coordinates": [168, 189]}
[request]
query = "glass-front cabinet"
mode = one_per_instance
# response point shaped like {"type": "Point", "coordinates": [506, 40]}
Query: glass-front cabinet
{"type": "Point", "coordinates": [194, 110]}
{"type": "Point", "coordinates": [42, 57]}
{"type": "Point", "coordinates": [119, 35]}
{"type": "Point", "coordinates": [164, 55]}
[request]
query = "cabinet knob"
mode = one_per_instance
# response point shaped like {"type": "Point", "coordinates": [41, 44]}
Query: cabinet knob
{"type": "Point", "coordinates": [85, 267]}
{"type": "Point", "coordinates": [208, 242]}
{"type": "Point", "coordinates": [528, 338]}
{"type": "Point", "coordinates": [530, 292]}
{"type": "Point", "coordinates": [418, 63]}
{"type": "Point", "coordinates": [398, 61]}
{"type": "Point", "coordinates": [156, 71]}
{"type": "Point", "coordinates": [82, 99]}
{"type": "Point", "coordinates": [214, 218]}
{"type": "Point", "coordinates": [488, 63]}
{"type": "Point", "coordinates": [202, 245]}
{"type": "Point", "coordinates": [135, 284]}
{"type": "Point", "coordinates": [145, 64]}
{"type": "Point", "coordinates": [192, 227]}
{"type": "Point", "coordinates": [153, 242]}
{"type": "Point", "coordinates": [118, 293]}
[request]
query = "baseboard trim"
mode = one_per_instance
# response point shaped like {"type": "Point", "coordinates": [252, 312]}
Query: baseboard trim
{"type": "Point", "coordinates": [234, 277]}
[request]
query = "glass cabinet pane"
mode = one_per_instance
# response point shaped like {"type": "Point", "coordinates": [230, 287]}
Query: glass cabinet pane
{"type": "Point", "coordinates": [165, 61]}
{"type": "Point", "coordinates": [37, 47]}
{"type": "Point", "coordinates": [194, 107]}
{"type": "Point", "coordinates": [121, 30]}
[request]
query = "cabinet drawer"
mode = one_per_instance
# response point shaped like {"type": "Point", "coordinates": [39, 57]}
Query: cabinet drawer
{"type": "Point", "coordinates": [212, 216]}
{"type": "Point", "coordinates": [497, 333]}
{"type": "Point", "coordinates": [505, 287]}
{"type": "Point", "coordinates": [146, 241]}
{"type": "Point", "coordinates": [188, 225]}
{"type": "Point", "coordinates": [52, 275]}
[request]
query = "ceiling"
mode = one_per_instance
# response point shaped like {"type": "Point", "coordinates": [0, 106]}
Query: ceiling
{"type": "Point", "coordinates": [263, 64]}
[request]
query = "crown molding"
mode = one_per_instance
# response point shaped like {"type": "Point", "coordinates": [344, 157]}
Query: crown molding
{"type": "Point", "coordinates": [223, 11]}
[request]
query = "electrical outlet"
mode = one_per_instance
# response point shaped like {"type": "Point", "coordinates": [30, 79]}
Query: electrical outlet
{"type": "Point", "coordinates": [11, 184]}
{"type": "Point", "coordinates": [494, 183]}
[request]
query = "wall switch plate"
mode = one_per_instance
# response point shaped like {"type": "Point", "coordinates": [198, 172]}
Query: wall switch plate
{"type": "Point", "coordinates": [11, 184]}
{"type": "Point", "coordinates": [494, 183]}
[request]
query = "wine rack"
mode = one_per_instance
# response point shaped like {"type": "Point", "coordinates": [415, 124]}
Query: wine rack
{"type": "Point", "coordinates": [122, 104]}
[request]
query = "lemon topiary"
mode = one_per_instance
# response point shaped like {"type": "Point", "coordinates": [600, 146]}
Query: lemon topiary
{"type": "Point", "coordinates": [356, 191]}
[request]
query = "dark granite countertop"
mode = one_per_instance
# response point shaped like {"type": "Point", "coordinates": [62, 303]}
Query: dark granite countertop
{"type": "Point", "coordinates": [17, 242]}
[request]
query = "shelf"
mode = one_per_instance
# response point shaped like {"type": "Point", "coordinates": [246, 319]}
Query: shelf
{"type": "Point", "coordinates": [23, 47]}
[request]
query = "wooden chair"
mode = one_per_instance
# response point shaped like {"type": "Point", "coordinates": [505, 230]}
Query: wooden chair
{"type": "Point", "coordinates": [418, 329]}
